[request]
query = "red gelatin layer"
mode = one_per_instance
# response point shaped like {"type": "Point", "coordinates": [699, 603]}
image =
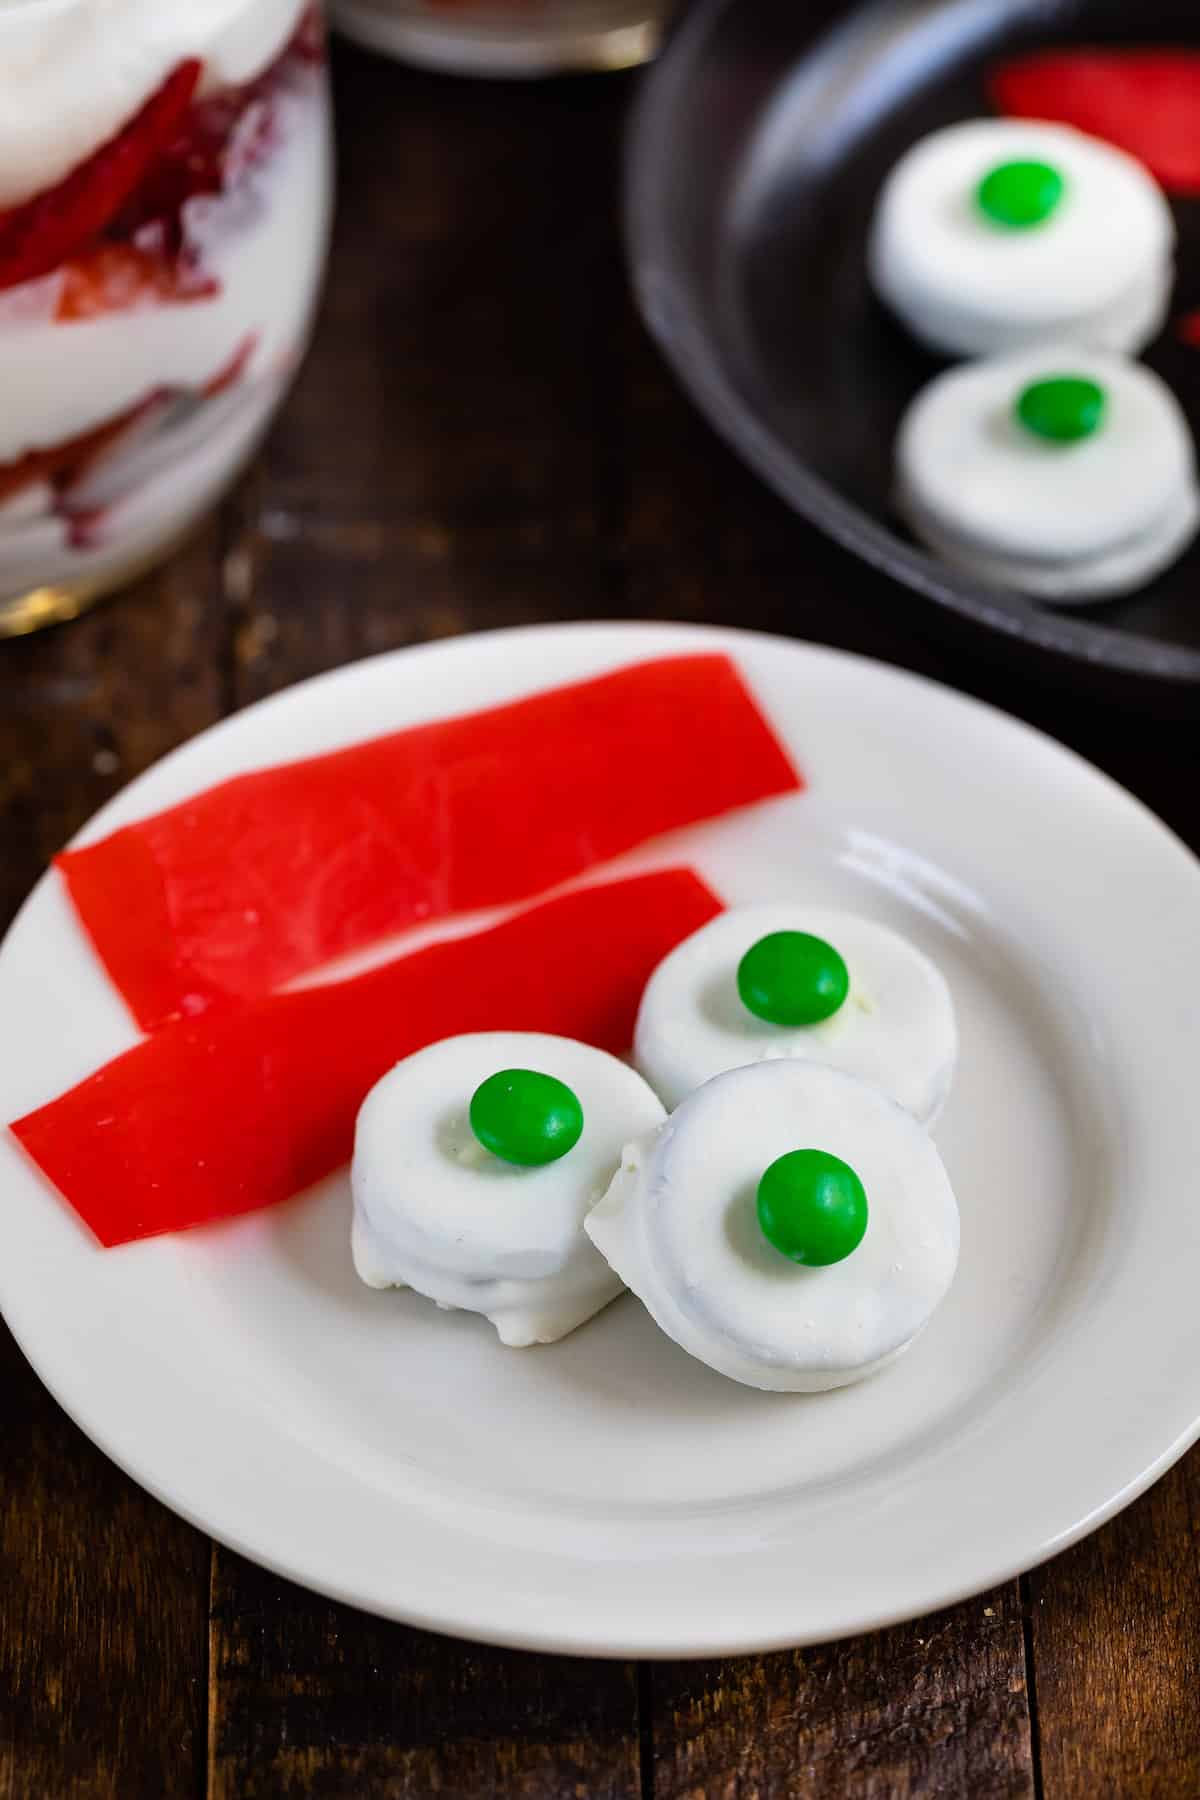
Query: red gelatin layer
{"type": "Point", "coordinates": [36, 237]}
{"type": "Point", "coordinates": [115, 224]}
{"type": "Point", "coordinates": [251, 883]}
{"type": "Point", "coordinates": [218, 1116]}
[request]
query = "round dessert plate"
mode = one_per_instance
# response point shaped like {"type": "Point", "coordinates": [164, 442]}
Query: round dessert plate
{"type": "Point", "coordinates": [608, 1494]}
{"type": "Point", "coordinates": [761, 140]}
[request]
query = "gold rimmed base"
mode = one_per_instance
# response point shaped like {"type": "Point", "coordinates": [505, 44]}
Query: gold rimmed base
{"type": "Point", "coordinates": [43, 606]}
{"type": "Point", "coordinates": [56, 603]}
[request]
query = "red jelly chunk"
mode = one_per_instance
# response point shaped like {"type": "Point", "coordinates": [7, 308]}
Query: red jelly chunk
{"type": "Point", "coordinates": [1144, 101]}
{"type": "Point", "coordinates": [251, 883]}
{"type": "Point", "coordinates": [37, 236]}
{"type": "Point", "coordinates": [220, 1115]}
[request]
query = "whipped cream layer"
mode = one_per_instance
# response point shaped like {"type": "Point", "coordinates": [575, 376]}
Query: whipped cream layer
{"type": "Point", "coordinates": [264, 246]}
{"type": "Point", "coordinates": [73, 72]}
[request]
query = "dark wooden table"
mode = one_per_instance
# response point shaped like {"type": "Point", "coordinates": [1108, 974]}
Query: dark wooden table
{"type": "Point", "coordinates": [481, 437]}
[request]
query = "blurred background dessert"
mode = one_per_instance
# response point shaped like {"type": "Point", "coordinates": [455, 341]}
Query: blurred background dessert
{"type": "Point", "coordinates": [164, 212]}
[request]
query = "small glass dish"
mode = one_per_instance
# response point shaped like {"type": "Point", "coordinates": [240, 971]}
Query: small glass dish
{"type": "Point", "coordinates": [164, 214]}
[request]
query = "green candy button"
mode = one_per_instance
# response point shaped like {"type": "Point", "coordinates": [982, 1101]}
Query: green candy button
{"type": "Point", "coordinates": [1018, 195]}
{"type": "Point", "coordinates": [812, 1207]}
{"type": "Point", "coordinates": [792, 978]}
{"type": "Point", "coordinates": [1063, 408]}
{"type": "Point", "coordinates": [527, 1118]}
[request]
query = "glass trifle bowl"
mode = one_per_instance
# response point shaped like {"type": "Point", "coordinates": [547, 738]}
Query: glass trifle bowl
{"type": "Point", "coordinates": [165, 187]}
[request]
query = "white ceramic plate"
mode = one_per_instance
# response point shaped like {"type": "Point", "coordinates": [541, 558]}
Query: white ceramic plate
{"type": "Point", "coordinates": [607, 1494]}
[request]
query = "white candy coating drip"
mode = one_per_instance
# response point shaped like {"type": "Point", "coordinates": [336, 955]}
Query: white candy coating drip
{"type": "Point", "coordinates": [73, 72]}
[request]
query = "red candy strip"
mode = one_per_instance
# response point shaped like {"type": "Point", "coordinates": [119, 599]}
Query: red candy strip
{"type": "Point", "coordinates": [224, 1114]}
{"type": "Point", "coordinates": [1144, 101]}
{"type": "Point", "coordinates": [234, 892]}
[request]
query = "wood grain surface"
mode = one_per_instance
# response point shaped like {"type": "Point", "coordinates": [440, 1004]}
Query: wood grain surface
{"type": "Point", "coordinates": [938, 1707]}
{"type": "Point", "coordinates": [311, 1698]}
{"type": "Point", "coordinates": [103, 1593]}
{"type": "Point", "coordinates": [482, 437]}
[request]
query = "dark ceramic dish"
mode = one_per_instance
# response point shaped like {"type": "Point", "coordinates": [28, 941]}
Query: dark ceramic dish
{"type": "Point", "coordinates": [758, 147]}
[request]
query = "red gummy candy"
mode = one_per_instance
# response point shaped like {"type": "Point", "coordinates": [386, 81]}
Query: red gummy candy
{"type": "Point", "coordinates": [250, 883]}
{"type": "Point", "coordinates": [120, 277]}
{"type": "Point", "coordinates": [1145, 101]}
{"type": "Point", "coordinates": [234, 1111]}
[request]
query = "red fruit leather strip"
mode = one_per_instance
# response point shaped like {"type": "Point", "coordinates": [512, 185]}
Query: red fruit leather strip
{"type": "Point", "coordinates": [221, 1115]}
{"type": "Point", "coordinates": [234, 892]}
{"type": "Point", "coordinates": [38, 235]}
{"type": "Point", "coordinates": [1144, 101]}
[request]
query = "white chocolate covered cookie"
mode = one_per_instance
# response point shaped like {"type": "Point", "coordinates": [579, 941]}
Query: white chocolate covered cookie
{"type": "Point", "coordinates": [1000, 233]}
{"type": "Point", "coordinates": [785, 980]}
{"type": "Point", "coordinates": [1066, 473]}
{"type": "Point", "coordinates": [789, 1226]}
{"type": "Point", "coordinates": [497, 1231]}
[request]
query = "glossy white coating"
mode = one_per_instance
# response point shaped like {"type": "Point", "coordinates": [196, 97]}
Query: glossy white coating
{"type": "Point", "coordinates": [1065, 521]}
{"type": "Point", "coordinates": [1098, 270]}
{"type": "Point", "coordinates": [435, 1211]}
{"type": "Point", "coordinates": [679, 1225]}
{"type": "Point", "coordinates": [896, 1027]}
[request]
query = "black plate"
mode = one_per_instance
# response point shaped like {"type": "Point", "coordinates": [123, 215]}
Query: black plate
{"type": "Point", "coordinates": [760, 142]}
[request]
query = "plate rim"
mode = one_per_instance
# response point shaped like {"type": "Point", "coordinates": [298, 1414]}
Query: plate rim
{"type": "Point", "coordinates": [673, 322]}
{"type": "Point", "coordinates": [463, 1619]}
